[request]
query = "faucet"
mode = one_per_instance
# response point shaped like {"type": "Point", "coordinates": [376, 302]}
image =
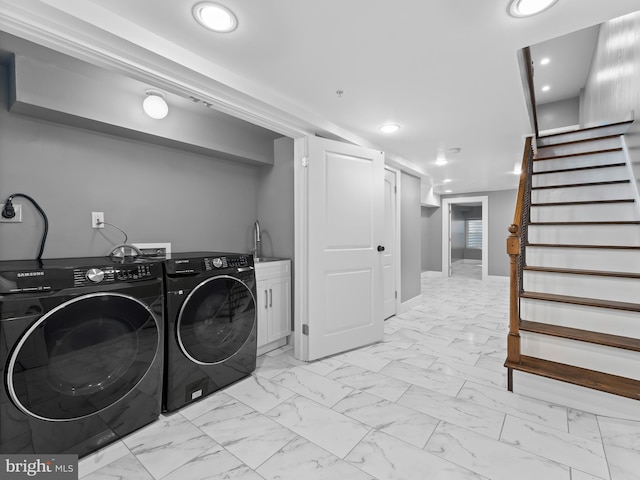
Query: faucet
{"type": "Point", "coordinates": [257, 240]}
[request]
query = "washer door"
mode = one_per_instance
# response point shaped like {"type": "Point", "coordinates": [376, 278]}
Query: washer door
{"type": "Point", "coordinates": [216, 320]}
{"type": "Point", "coordinates": [83, 356]}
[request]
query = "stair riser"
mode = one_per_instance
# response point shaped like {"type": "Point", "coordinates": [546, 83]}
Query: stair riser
{"type": "Point", "coordinates": [584, 213]}
{"type": "Point", "coordinates": [578, 162]}
{"type": "Point", "coordinates": [581, 176]}
{"type": "Point", "coordinates": [628, 235]}
{"type": "Point", "coordinates": [583, 135]}
{"type": "Point", "coordinates": [584, 258]}
{"type": "Point", "coordinates": [582, 147]}
{"type": "Point", "coordinates": [604, 320]}
{"type": "Point", "coordinates": [614, 361]}
{"type": "Point", "coordinates": [578, 194]}
{"type": "Point", "coordinates": [577, 397]}
{"type": "Point", "coordinates": [586, 286]}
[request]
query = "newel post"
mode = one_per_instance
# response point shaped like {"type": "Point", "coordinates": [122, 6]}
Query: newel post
{"type": "Point", "coordinates": [513, 340]}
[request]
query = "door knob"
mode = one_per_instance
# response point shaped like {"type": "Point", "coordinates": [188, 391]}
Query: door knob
{"type": "Point", "coordinates": [380, 248]}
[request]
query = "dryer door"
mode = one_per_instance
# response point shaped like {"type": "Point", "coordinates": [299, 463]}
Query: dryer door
{"type": "Point", "coordinates": [216, 319]}
{"type": "Point", "coordinates": [82, 356]}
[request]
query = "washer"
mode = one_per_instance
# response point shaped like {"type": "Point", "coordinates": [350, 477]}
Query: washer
{"type": "Point", "coordinates": [81, 347]}
{"type": "Point", "coordinates": [211, 324]}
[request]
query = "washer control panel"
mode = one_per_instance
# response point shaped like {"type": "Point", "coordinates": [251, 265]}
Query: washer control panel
{"type": "Point", "coordinates": [109, 274]}
{"type": "Point", "coordinates": [57, 274]}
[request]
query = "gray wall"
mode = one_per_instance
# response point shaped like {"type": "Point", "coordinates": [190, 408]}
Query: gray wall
{"type": "Point", "coordinates": [559, 114]}
{"type": "Point", "coordinates": [154, 193]}
{"type": "Point", "coordinates": [500, 212]}
{"type": "Point", "coordinates": [276, 202]}
{"type": "Point", "coordinates": [410, 236]}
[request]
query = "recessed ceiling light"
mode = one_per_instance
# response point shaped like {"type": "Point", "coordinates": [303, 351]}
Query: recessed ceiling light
{"type": "Point", "coordinates": [215, 17]}
{"type": "Point", "coordinates": [441, 161]}
{"type": "Point", "coordinates": [448, 191]}
{"type": "Point", "coordinates": [545, 61]}
{"type": "Point", "coordinates": [390, 128]}
{"type": "Point", "coordinates": [546, 88]}
{"type": "Point", "coordinates": [526, 8]}
{"type": "Point", "coordinates": [447, 180]}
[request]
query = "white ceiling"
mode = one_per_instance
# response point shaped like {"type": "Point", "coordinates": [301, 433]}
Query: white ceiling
{"type": "Point", "coordinates": [446, 70]}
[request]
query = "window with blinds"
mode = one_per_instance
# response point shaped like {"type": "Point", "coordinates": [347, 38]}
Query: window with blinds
{"type": "Point", "coordinates": [474, 233]}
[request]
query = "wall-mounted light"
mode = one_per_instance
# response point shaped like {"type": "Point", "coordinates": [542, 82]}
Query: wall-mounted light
{"type": "Point", "coordinates": [526, 8]}
{"type": "Point", "coordinates": [216, 17]}
{"type": "Point", "coordinates": [155, 105]}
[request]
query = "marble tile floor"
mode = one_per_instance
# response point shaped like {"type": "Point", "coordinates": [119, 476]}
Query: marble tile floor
{"type": "Point", "coordinates": [429, 402]}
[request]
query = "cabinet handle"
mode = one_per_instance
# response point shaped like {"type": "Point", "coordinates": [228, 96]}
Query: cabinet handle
{"type": "Point", "coordinates": [266, 300]}
{"type": "Point", "coordinates": [270, 298]}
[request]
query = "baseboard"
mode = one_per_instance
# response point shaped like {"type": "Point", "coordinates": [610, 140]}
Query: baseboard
{"type": "Point", "coordinates": [430, 273]}
{"type": "Point", "coordinates": [498, 278]}
{"type": "Point", "coordinates": [409, 304]}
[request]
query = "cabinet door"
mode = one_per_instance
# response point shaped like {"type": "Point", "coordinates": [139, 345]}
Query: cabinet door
{"type": "Point", "coordinates": [280, 308]}
{"type": "Point", "coordinates": [263, 312]}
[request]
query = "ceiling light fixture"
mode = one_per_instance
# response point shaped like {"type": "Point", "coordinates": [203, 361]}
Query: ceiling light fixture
{"type": "Point", "coordinates": [546, 88]}
{"type": "Point", "coordinates": [448, 191]}
{"type": "Point", "coordinates": [216, 17]}
{"type": "Point", "coordinates": [390, 128]}
{"type": "Point", "coordinates": [545, 61]}
{"type": "Point", "coordinates": [526, 8]}
{"type": "Point", "coordinates": [447, 180]}
{"type": "Point", "coordinates": [441, 160]}
{"type": "Point", "coordinates": [155, 105]}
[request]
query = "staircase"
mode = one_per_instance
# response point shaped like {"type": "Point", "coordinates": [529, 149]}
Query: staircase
{"type": "Point", "coordinates": [577, 259]}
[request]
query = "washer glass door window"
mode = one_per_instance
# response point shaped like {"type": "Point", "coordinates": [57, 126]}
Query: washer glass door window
{"type": "Point", "coordinates": [83, 356]}
{"type": "Point", "coordinates": [216, 320]}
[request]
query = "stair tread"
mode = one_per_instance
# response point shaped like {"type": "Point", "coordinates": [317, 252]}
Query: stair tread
{"type": "Point", "coordinates": [577, 169]}
{"type": "Point", "coordinates": [589, 302]}
{"type": "Point", "coordinates": [584, 184]}
{"type": "Point", "coordinates": [599, 338]}
{"type": "Point", "coordinates": [570, 245]}
{"type": "Point", "coordinates": [578, 154]}
{"type": "Point", "coordinates": [586, 129]}
{"type": "Point", "coordinates": [583, 202]}
{"type": "Point", "coordinates": [576, 271]}
{"type": "Point", "coordinates": [604, 382]}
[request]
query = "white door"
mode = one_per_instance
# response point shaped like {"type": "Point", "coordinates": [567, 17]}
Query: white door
{"type": "Point", "coordinates": [344, 240]}
{"type": "Point", "coordinates": [389, 254]}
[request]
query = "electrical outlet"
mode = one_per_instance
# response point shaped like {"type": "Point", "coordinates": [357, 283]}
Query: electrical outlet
{"type": "Point", "coordinates": [97, 219]}
{"type": "Point", "coordinates": [16, 219]}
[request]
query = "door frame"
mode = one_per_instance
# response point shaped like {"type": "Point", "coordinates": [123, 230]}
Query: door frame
{"type": "Point", "coordinates": [446, 221]}
{"type": "Point", "coordinates": [398, 246]}
{"type": "Point", "coordinates": [301, 250]}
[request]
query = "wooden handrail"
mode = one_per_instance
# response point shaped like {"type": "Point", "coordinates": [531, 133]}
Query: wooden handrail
{"type": "Point", "coordinates": [526, 74]}
{"type": "Point", "coordinates": [514, 252]}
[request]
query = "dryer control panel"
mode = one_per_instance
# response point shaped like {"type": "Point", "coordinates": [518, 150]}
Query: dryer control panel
{"type": "Point", "coordinates": [194, 263]}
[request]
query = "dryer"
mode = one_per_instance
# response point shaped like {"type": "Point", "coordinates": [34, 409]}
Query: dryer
{"type": "Point", "coordinates": [211, 324]}
{"type": "Point", "coordinates": [81, 347]}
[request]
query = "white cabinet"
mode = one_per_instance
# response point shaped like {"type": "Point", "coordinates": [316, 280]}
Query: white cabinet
{"type": "Point", "coordinates": [273, 303]}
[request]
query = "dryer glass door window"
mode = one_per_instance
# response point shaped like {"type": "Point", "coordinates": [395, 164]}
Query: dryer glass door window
{"type": "Point", "coordinates": [216, 320]}
{"type": "Point", "coordinates": [83, 356]}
